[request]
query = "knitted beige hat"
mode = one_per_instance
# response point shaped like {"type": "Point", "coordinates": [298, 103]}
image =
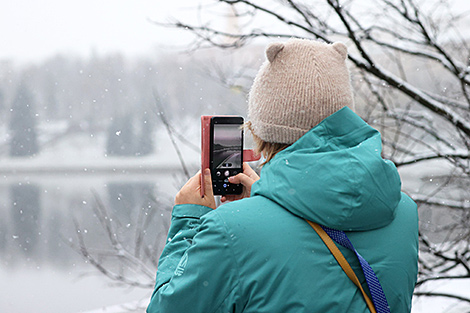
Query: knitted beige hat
{"type": "Point", "coordinates": [301, 83]}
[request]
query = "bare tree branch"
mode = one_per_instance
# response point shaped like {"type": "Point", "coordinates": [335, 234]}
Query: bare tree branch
{"type": "Point", "coordinates": [161, 114]}
{"type": "Point", "coordinates": [441, 294]}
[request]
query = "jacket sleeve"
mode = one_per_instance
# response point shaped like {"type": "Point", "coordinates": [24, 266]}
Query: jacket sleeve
{"type": "Point", "coordinates": [197, 271]}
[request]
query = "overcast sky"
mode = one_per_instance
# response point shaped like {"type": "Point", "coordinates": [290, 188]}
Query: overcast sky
{"type": "Point", "coordinates": [34, 29]}
{"type": "Point", "coordinates": [31, 30]}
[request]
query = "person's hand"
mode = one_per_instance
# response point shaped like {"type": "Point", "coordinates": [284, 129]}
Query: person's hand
{"type": "Point", "coordinates": [190, 193]}
{"type": "Point", "coordinates": [247, 178]}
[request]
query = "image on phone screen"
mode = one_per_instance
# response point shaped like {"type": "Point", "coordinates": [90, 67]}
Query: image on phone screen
{"type": "Point", "coordinates": [227, 146]}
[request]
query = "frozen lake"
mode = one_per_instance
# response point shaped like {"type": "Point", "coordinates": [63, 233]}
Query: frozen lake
{"type": "Point", "coordinates": [39, 270]}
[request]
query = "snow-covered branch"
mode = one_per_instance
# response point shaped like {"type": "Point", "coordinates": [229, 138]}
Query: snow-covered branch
{"type": "Point", "coordinates": [441, 294]}
{"type": "Point", "coordinates": [452, 204]}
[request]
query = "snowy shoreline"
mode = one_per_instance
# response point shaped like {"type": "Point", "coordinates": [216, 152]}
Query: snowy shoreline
{"type": "Point", "coordinates": [87, 168]}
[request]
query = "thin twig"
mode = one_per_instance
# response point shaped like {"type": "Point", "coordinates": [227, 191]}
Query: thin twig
{"type": "Point", "coordinates": [165, 122]}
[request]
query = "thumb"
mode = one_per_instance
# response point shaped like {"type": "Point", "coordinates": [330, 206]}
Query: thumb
{"type": "Point", "coordinates": [241, 178]}
{"type": "Point", "coordinates": [208, 183]}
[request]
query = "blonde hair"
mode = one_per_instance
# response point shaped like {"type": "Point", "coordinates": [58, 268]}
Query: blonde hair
{"type": "Point", "coordinates": [268, 149]}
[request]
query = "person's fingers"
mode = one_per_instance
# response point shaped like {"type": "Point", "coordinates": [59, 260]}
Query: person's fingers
{"type": "Point", "coordinates": [194, 182]}
{"type": "Point", "coordinates": [191, 184]}
{"type": "Point", "coordinates": [249, 171]}
{"type": "Point", "coordinates": [208, 183]}
{"type": "Point", "coordinates": [230, 198]}
{"type": "Point", "coordinates": [241, 178]}
{"type": "Point", "coordinates": [247, 168]}
{"type": "Point", "coordinates": [247, 178]}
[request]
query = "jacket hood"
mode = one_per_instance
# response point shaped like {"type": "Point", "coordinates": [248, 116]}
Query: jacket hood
{"type": "Point", "coordinates": [335, 176]}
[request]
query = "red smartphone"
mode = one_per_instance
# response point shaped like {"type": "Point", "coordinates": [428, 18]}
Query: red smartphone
{"type": "Point", "coordinates": [222, 152]}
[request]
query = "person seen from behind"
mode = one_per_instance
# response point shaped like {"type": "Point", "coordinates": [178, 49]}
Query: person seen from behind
{"type": "Point", "coordinates": [257, 252]}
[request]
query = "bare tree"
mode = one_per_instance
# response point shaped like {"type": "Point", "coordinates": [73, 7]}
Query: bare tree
{"type": "Point", "coordinates": [130, 255]}
{"type": "Point", "coordinates": [410, 64]}
{"type": "Point", "coordinates": [411, 70]}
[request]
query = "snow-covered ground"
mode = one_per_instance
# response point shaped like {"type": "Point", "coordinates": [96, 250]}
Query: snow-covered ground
{"type": "Point", "coordinates": [83, 153]}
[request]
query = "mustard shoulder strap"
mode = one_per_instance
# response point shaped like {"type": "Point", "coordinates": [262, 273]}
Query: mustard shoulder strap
{"type": "Point", "coordinates": [342, 262]}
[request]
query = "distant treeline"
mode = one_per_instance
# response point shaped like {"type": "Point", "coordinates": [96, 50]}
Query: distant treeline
{"type": "Point", "coordinates": [114, 95]}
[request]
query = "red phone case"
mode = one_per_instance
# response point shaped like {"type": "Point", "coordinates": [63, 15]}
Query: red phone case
{"type": "Point", "coordinates": [248, 154]}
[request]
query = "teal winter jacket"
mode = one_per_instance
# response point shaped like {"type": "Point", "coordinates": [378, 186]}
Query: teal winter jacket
{"type": "Point", "coordinates": [259, 255]}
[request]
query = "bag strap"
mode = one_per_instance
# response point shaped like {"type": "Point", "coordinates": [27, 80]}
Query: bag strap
{"type": "Point", "coordinates": [342, 262]}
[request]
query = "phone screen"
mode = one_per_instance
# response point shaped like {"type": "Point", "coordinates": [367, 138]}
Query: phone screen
{"type": "Point", "coordinates": [226, 153]}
